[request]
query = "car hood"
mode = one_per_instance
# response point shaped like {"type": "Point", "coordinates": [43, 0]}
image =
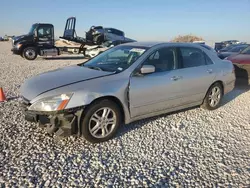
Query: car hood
{"type": "Point", "coordinates": [16, 38]}
{"type": "Point", "coordinates": [240, 58]}
{"type": "Point", "coordinates": [54, 79]}
{"type": "Point", "coordinates": [22, 38]}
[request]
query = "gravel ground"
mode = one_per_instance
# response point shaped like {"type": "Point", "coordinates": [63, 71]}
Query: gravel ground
{"type": "Point", "coordinates": [196, 148]}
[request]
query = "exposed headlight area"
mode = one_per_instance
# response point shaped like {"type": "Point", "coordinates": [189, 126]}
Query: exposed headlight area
{"type": "Point", "coordinates": [18, 46]}
{"type": "Point", "coordinates": [49, 104]}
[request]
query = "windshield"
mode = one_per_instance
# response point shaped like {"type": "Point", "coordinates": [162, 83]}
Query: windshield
{"type": "Point", "coordinates": [228, 48]}
{"type": "Point", "coordinates": [246, 51]}
{"type": "Point", "coordinates": [237, 49]}
{"type": "Point", "coordinates": [116, 59]}
{"type": "Point", "coordinates": [33, 27]}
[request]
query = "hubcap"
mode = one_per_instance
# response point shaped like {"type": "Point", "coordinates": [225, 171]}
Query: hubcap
{"type": "Point", "coordinates": [214, 96]}
{"type": "Point", "coordinates": [102, 122]}
{"type": "Point", "coordinates": [30, 53]}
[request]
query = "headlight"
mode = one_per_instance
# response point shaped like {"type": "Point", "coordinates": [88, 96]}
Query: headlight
{"type": "Point", "coordinates": [18, 46]}
{"type": "Point", "coordinates": [226, 58]}
{"type": "Point", "coordinates": [51, 103]}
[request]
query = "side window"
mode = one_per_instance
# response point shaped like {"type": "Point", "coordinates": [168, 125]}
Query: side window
{"type": "Point", "coordinates": [191, 57]}
{"type": "Point", "coordinates": [208, 60]}
{"type": "Point", "coordinates": [116, 32]}
{"type": "Point", "coordinates": [44, 32]}
{"type": "Point", "coordinates": [120, 33]}
{"type": "Point", "coordinates": [163, 59]}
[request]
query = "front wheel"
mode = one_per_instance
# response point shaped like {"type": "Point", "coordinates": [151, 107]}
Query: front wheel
{"type": "Point", "coordinates": [213, 97]}
{"type": "Point", "coordinates": [101, 120]}
{"type": "Point", "coordinates": [30, 53]}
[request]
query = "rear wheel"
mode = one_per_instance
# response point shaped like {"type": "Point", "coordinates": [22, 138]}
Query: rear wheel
{"type": "Point", "coordinates": [101, 120]}
{"type": "Point", "coordinates": [213, 97]}
{"type": "Point", "coordinates": [30, 53]}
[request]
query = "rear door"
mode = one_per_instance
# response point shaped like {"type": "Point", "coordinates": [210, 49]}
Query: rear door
{"type": "Point", "coordinates": [197, 73]}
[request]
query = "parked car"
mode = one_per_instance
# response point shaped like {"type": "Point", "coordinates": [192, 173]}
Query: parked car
{"type": "Point", "coordinates": [128, 82]}
{"type": "Point", "coordinates": [229, 42]}
{"type": "Point", "coordinates": [229, 47]}
{"type": "Point", "coordinates": [199, 42]}
{"type": "Point", "coordinates": [98, 35]}
{"type": "Point", "coordinates": [220, 45]}
{"type": "Point", "coordinates": [234, 50]}
{"type": "Point", "coordinates": [241, 62]}
{"type": "Point", "coordinates": [93, 51]}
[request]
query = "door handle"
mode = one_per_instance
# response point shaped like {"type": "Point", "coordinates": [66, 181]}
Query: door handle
{"type": "Point", "coordinates": [209, 71]}
{"type": "Point", "coordinates": [175, 78]}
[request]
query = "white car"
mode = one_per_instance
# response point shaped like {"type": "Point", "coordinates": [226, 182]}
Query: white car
{"type": "Point", "coordinates": [93, 51]}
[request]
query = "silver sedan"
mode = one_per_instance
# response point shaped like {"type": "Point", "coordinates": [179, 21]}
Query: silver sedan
{"type": "Point", "coordinates": [126, 83]}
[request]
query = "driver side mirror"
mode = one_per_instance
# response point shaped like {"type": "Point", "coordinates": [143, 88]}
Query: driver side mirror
{"type": "Point", "coordinates": [146, 69]}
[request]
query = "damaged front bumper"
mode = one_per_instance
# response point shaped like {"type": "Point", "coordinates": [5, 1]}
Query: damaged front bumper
{"type": "Point", "coordinates": [61, 123]}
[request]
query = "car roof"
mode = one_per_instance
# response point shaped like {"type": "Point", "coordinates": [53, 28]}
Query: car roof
{"type": "Point", "coordinates": [151, 44]}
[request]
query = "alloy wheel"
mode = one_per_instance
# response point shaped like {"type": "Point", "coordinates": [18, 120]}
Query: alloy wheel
{"type": "Point", "coordinates": [102, 122]}
{"type": "Point", "coordinates": [214, 96]}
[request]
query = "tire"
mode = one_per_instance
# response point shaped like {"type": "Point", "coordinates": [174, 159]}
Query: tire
{"type": "Point", "coordinates": [89, 121]}
{"type": "Point", "coordinates": [207, 102]}
{"type": "Point", "coordinates": [30, 53]}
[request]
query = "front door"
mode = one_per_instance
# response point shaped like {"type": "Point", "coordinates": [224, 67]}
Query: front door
{"type": "Point", "coordinates": [45, 36]}
{"type": "Point", "coordinates": [159, 90]}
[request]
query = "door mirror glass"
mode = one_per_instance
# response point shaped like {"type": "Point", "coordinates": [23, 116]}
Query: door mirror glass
{"type": "Point", "coordinates": [146, 69]}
